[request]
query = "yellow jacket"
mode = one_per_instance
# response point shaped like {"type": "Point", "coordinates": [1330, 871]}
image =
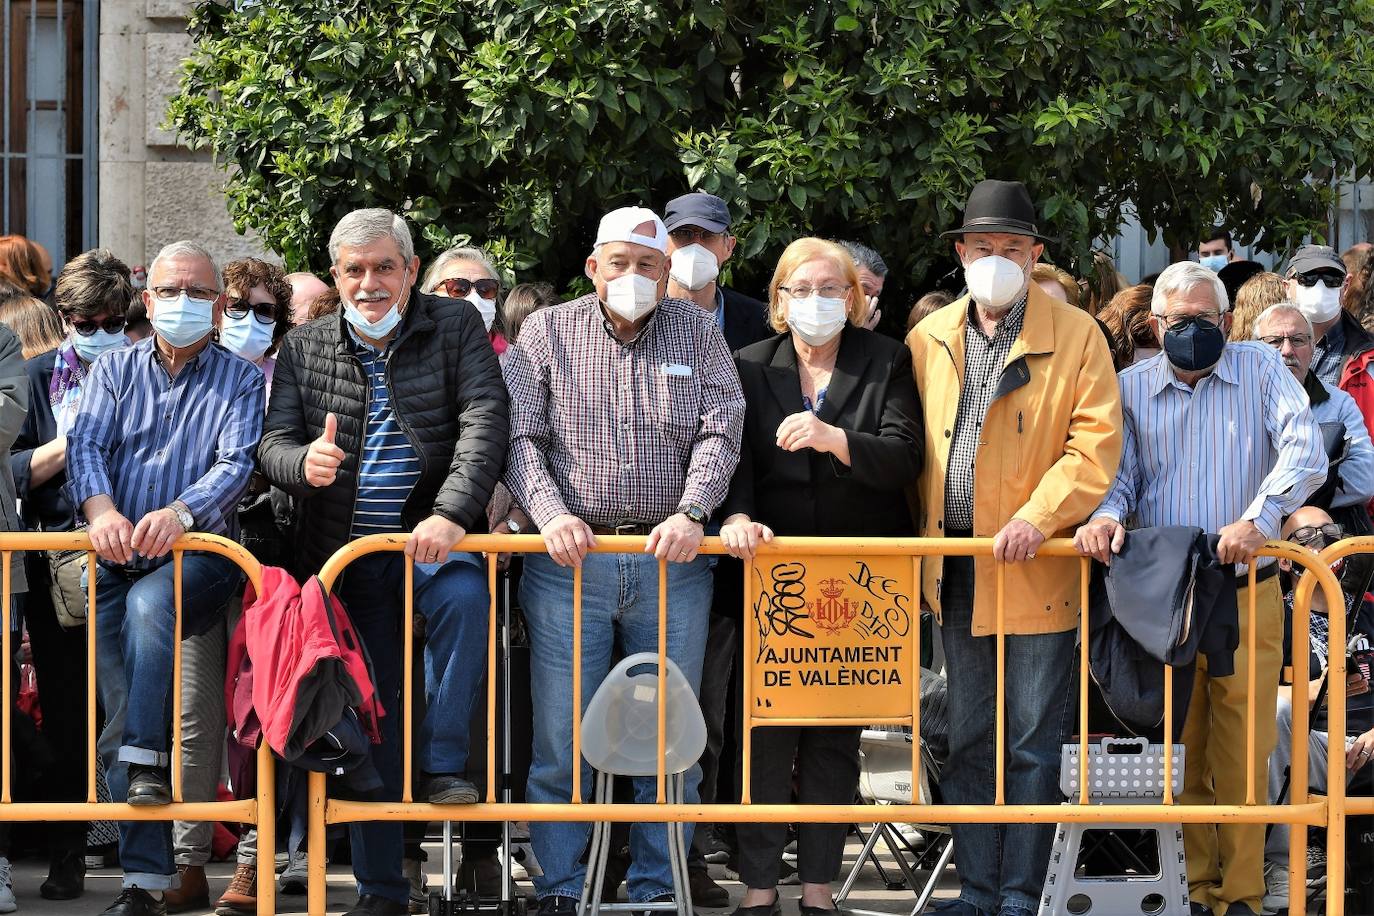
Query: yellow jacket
{"type": "Point", "coordinates": [1050, 448]}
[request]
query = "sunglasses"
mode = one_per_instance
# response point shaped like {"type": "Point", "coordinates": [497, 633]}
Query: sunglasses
{"type": "Point", "coordinates": [263, 312]}
{"type": "Point", "coordinates": [458, 288]}
{"type": "Point", "coordinates": [115, 324]}
{"type": "Point", "coordinates": [686, 235]}
{"type": "Point", "coordinates": [1311, 534]}
{"type": "Point", "coordinates": [1329, 280]}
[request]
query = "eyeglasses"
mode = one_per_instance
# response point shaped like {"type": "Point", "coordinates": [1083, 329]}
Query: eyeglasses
{"type": "Point", "coordinates": [112, 325]}
{"type": "Point", "coordinates": [1297, 340]}
{"type": "Point", "coordinates": [1330, 280]}
{"type": "Point", "coordinates": [686, 235]}
{"type": "Point", "coordinates": [168, 293]}
{"type": "Point", "coordinates": [1308, 535]}
{"type": "Point", "coordinates": [1179, 322]}
{"type": "Point", "coordinates": [825, 292]}
{"type": "Point", "coordinates": [263, 312]}
{"type": "Point", "coordinates": [458, 288]}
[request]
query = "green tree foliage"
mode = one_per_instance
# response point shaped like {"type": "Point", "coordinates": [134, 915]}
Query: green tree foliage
{"type": "Point", "coordinates": [516, 123]}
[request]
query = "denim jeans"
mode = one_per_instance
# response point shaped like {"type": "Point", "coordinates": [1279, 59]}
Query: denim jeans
{"type": "Point", "coordinates": [135, 623]}
{"type": "Point", "coordinates": [619, 610]}
{"type": "Point", "coordinates": [1002, 864]}
{"type": "Point", "coordinates": [453, 598]}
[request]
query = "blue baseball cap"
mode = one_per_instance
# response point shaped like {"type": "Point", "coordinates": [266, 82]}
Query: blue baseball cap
{"type": "Point", "coordinates": [697, 209]}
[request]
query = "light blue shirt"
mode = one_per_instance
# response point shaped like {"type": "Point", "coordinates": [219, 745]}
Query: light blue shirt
{"type": "Point", "coordinates": [388, 468]}
{"type": "Point", "coordinates": [1241, 445]}
{"type": "Point", "coordinates": [1357, 467]}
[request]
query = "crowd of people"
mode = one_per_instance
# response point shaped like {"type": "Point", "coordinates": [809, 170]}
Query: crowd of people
{"type": "Point", "coordinates": [295, 415]}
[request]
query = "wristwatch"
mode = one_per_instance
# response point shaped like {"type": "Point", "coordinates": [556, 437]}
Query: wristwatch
{"type": "Point", "coordinates": [695, 514]}
{"type": "Point", "coordinates": [513, 526]}
{"type": "Point", "coordinates": [184, 517]}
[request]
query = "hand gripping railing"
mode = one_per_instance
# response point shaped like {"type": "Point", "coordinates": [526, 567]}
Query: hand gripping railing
{"type": "Point", "coordinates": [258, 810]}
{"type": "Point", "coordinates": [1301, 811]}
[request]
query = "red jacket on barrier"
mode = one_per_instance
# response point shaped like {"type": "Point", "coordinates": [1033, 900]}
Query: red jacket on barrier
{"type": "Point", "coordinates": [295, 664]}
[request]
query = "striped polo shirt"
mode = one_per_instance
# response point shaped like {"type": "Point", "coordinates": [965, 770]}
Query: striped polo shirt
{"type": "Point", "coordinates": [389, 468]}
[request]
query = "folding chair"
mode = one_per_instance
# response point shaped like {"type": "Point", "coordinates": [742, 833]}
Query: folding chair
{"type": "Point", "coordinates": [885, 778]}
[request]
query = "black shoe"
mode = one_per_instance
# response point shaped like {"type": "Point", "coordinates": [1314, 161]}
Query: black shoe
{"type": "Point", "coordinates": [763, 909]}
{"type": "Point", "coordinates": [661, 898]}
{"type": "Point", "coordinates": [372, 905]}
{"type": "Point", "coordinates": [1199, 909]}
{"type": "Point", "coordinates": [1240, 909]}
{"type": "Point", "coordinates": [66, 877]}
{"type": "Point", "coordinates": [446, 789]}
{"type": "Point", "coordinates": [705, 892]}
{"type": "Point", "coordinates": [135, 901]}
{"type": "Point", "coordinates": [148, 786]}
{"type": "Point", "coordinates": [482, 875]}
{"type": "Point", "coordinates": [557, 906]}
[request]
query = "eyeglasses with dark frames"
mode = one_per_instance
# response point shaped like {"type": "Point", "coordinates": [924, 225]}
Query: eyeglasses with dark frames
{"type": "Point", "coordinates": [263, 312]}
{"type": "Point", "coordinates": [459, 287]}
{"type": "Point", "coordinates": [115, 324]}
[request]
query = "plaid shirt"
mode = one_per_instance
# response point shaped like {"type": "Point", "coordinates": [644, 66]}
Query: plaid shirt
{"type": "Point", "coordinates": [984, 360]}
{"type": "Point", "coordinates": [615, 432]}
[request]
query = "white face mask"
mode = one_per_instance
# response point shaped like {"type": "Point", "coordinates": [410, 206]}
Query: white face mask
{"type": "Point", "coordinates": [996, 282]}
{"type": "Point", "coordinates": [694, 267]}
{"type": "Point", "coordinates": [1319, 303]}
{"type": "Point", "coordinates": [246, 336]}
{"type": "Point", "coordinates": [816, 319]}
{"type": "Point", "coordinates": [485, 307]}
{"type": "Point", "coordinates": [632, 296]}
{"type": "Point", "coordinates": [383, 326]}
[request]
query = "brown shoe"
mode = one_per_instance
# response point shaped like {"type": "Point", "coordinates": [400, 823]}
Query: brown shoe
{"type": "Point", "coordinates": [193, 894]}
{"type": "Point", "coordinates": [241, 897]}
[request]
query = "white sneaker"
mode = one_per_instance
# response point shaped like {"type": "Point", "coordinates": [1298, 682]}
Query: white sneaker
{"type": "Point", "coordinates": [524, 865]}
{"type": "Point", "coordinates": [1275, 888]}
{"type": "Point", "coordinates": [7, 902]}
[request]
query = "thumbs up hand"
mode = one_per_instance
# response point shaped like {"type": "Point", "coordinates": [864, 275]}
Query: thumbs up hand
{"type": "Point", "coordinates": [323, 458]}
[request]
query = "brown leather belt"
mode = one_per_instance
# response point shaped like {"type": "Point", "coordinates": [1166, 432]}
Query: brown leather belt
{"type": "Point", "coordinates": [631, 528]}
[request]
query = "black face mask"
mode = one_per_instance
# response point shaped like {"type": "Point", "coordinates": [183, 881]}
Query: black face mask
{"type": "Point", "coordinates": [1195, 346]}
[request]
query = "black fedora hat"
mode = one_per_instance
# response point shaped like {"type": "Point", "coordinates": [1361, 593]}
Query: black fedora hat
{"type": "Point", "coordinates": [999, 206]}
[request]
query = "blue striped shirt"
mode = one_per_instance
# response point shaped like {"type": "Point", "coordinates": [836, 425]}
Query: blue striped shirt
{"type": "Point", "coordinates": [389, 467]}
{"type": "Point", "coordinates": [1241, 445]}
{"type": "Point", "coordinates": [146, 439]}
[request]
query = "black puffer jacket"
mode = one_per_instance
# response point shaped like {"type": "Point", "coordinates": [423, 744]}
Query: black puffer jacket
{"type": "Point", "coordinates": [446, 390]}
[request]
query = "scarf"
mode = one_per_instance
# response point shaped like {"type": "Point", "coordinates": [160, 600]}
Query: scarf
{"type": "Point", "coordinates": [64, 391]}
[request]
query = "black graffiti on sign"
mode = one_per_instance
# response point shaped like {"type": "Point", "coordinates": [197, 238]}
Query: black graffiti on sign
{"type": "Point", "coordinates": [780, 607]}
{"type": "Point", "coordinates": [886, 612]}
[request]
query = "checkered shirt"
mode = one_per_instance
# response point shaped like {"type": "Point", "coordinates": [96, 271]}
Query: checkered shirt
{"type": "Point", "coordinates": [984, 360]}
{"type": "Point", "coordinates": [615, 432]}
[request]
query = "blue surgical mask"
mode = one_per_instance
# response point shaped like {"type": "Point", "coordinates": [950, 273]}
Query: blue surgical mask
{"type": "Point", "coordinates": [88, 348]}
{"type": "Point", "coordinates": [247, 336]}
{"type": "Point", "coordinates": [1214, 262]}
{"type": "Point", "coordinates": [380, 328]}
{"type": "Point", "coordinates": [183, 321]}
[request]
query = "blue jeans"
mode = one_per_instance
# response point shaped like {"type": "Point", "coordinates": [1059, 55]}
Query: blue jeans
{"type": "Point", "coordinates": [135, 623]}
{"type": "Point", "coordinates": [453, 598]}
{"type": "Point", "coordinates": [619, 611]}
{"type": "Point", "coordinates": [1002, 864]}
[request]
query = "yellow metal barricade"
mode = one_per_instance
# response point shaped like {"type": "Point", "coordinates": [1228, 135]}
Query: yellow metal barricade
{"type": "Point", "coordinates": [258, 811]}
{"type": "Point", "coordinates": [872, 584]}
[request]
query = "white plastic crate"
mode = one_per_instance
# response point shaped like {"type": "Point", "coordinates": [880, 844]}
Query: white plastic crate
{"type": "Point", "coordinates": [1120, 768]}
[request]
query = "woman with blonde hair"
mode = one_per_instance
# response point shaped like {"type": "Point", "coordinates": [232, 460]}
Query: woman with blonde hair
{"type": "Point", "coordinates": [832, 437]}
{"type": "Point", "coordinates": [33, 321]}
{"type": "Point", "coordinates": [1254, 296]}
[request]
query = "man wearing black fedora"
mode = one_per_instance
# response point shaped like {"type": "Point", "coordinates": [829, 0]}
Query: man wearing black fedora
{"type": "Point", "coordinates": [1023, 434]}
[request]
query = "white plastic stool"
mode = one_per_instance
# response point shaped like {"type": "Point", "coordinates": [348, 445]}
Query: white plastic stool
{"type": "Point", "coordinates": [620, 738]}
{"type": "Point", "coordinates": [1120, 771]}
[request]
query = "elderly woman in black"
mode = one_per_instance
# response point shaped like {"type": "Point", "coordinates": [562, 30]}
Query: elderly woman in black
{"type": "Point", "coordinates": [831, 440]}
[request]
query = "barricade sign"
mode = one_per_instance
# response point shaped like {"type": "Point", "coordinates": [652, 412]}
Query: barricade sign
{"type": "Point", "coordinates": [834, 634]}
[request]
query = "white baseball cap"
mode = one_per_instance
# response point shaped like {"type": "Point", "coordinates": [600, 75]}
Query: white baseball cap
{"type": "Point", "coordinates": [620, 225]}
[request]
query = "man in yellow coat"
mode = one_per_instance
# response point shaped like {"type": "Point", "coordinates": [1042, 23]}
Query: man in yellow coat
{"type": "Point", "coordinates": [1023, 437]}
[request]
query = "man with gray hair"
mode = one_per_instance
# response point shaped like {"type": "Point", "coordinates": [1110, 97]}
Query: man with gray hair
{"type": "Point", "coordinates": [872, 275]}
{"type": "Point", "coordinates": [162, 444]}
{"type": "Point", "coordinates": [1350, 482]}
{"type": "Point", "coordinates": [1218, 436]}
{"type": "Point", "coordinates": [391, 418]}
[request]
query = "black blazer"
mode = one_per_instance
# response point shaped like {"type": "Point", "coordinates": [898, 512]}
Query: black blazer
{"type": "Point", "coordinates": [746, 319]}
{"type": "Point", "coordinates": [46, 506]}
{"type": "Point", "coordinates": [871, 396]}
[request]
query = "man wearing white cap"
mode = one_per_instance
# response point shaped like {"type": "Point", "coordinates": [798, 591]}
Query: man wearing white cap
{"type": "Point", "coordinates": [627, 415]}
